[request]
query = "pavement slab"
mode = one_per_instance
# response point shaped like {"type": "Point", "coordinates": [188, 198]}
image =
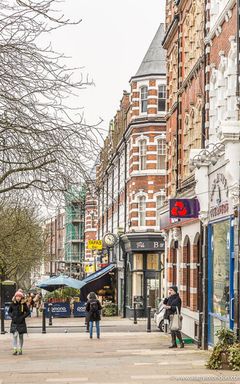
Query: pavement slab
{"type": "Point", "coordinates": [118, 357]}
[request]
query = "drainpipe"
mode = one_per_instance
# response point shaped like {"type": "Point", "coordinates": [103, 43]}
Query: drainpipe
{"type": "Point", "coordinates": [178, 108]}
{"type": "Point", "coordinates": [203, 308]}
{"type": "Point", "coordinates": [205, 287]}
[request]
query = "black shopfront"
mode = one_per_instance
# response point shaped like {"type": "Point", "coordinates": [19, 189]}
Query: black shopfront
{"type": "Point", "coordinates": [143, 271]}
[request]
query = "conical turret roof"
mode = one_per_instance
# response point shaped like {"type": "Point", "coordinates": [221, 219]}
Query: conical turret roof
{"type": "Point", "coordinates": [154, 62]}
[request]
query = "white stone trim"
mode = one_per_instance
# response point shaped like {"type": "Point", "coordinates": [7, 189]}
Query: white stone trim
{"type": "Point", "coordinates": [182, 288]}
{"type": "Point", "coordinates": [149, 172]}
{"type": "Point", "coordinates": [193, 290]}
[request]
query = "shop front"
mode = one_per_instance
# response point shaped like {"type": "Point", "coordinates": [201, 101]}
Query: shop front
{"type": "Point", "coordinates": [144, 271]}
{"type": "Point", "coordinates": [220, 258]}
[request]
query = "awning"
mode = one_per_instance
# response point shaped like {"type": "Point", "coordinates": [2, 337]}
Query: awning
{"type": "Point", "coordinates": [96, 281]}
{"type": "Point", "coordinates": [100, 273]}
{"type": "Point", "coordinates": [57, 282]}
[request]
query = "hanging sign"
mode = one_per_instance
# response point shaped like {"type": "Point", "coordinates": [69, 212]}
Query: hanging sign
{"type": "Point", "coordinates": [184, 208]}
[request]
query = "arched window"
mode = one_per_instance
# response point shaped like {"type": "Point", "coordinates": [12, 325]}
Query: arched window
{"type": "Point", "coordinates": [161, 153]}
{"type": "Point", "coordinates": [188, 269]}
{"type": "Point", "coordinates": [142, 210]}
{"type": "Point", "coordinates": [144, 96]}
{"type": "Point", "coordinates": [142, 154]}
{"type": "Point", "coordinates": [162, 98]}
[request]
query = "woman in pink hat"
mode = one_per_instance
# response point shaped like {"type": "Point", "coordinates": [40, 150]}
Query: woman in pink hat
{"type": "Point", "coordinates": [18, 311]}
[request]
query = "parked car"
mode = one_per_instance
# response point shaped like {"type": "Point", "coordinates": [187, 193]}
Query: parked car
{"type": "Point", "coordinates": [159, 316]}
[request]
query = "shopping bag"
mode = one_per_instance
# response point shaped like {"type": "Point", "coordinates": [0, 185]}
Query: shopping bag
{"type": "Point", "coordinates": [176, 321]}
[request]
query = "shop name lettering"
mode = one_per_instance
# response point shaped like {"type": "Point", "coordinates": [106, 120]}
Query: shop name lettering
{"type": "Point", "coordinates": [220, 210]}
{"type": "Point", "coordinates": [141, 244]}
{"type": "Point", "coordinates": [59, 309]}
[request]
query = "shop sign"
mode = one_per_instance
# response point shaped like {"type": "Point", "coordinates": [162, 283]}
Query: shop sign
{"type": "Point", "coordinates": [147, 245]}
{"type": "Point", "coordinates": [184, 208]}
{"type": "Point", "coordinates": [94, 244]}
{"type": "Point", "coordinates": [219, 204]}
{"type": "Point", "coordinates": [59, 310]}
{"type": "Point", "coordinates": [79, 309]}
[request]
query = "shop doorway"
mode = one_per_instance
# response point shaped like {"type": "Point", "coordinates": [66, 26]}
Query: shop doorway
{"type": "Point", "coordinates": [221, 278]}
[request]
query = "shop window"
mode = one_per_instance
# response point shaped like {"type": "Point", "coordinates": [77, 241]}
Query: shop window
{"type": "Point", "coordinates": [152, 261]}
{"type": "Point", "coordinates": [221, 270]}
{"type": "Point", "coordinates": [138, 261]}
{"type": "Point", "coordinates": [144, 96]}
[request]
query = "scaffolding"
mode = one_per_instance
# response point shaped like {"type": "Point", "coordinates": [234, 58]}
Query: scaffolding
{"type": "Point", "coordinates": [74, 224]}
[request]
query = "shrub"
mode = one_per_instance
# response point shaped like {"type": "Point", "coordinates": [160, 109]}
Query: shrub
{"type": "Point", "coordinates": [109, 309]}
{"type": "Point", "coordinates": [226, 353]}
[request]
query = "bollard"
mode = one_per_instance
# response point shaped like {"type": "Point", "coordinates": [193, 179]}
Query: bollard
{"type": "Point", "coordinates": [2, 321]}
{"type": "Point", "coordinates": [148, 319]}
{"type": "Point", "coordinates": [135, 313]}
{"type": "Point", "coordinates": [50, 313]}
{"type": "Point", "coordinates": [44, 320]}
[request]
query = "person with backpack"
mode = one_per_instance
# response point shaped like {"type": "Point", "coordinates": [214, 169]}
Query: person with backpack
{"type": "Point", "coordinates": [93, 308]}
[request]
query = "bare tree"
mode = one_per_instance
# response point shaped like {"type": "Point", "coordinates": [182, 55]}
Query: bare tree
{"type": "Point", "coordinates": [44, 143]}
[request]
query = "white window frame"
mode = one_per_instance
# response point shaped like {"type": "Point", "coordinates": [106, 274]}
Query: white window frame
{"type": "Point", "coordinates": [142, 154]}
{"type": "Point", "coordinates": [144, 98]}
{"type": "Point", "coordinates": [142, 204]}
{"type": "Point", "coordinates": [162, 92]}
{"type": "Point", "coordinates": [161, 153]}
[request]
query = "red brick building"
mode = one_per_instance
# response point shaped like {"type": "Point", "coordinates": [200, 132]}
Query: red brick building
{"type": "Point", "coordinates": [184, 43]}
{"type": "Point", "coordinates": [131, 183]}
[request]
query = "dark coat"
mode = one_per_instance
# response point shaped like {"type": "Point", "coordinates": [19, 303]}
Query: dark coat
{"type": "Point", "coordinates": [18, 312]}
{"type": "Point", "coordinates": [174, 301]}
{"type": "Point", "coordinates": [88, 310]}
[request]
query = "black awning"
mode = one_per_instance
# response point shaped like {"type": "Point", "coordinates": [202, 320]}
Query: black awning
{"type": "Point", "coordinates": [139, 242]}
{"type": "Point", "coordinates": [96, 281]}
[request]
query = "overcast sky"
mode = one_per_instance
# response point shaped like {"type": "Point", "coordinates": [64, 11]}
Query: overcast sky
{"type": "Point", "coordinates": [110, 44]}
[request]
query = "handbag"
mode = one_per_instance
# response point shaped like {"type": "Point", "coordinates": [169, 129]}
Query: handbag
{"type": "Point", "coordinates": [175, 321]}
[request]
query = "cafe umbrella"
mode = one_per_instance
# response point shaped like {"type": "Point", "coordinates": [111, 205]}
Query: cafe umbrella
{"type": "Point", "coordinates": [61, 281]}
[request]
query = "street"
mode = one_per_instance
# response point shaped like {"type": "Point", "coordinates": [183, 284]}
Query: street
{"type": "Point", "coordinates": [118, 357]}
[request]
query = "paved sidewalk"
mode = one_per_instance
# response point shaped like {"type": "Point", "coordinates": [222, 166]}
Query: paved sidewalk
{"type": "Point", "coordinates": [109, 324]}
{"type": "Point", "coordinates": [122, 357]}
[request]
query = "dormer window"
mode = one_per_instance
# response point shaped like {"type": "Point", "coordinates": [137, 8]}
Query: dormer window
{"type": "Point", "coordinates": [162, 98]}
{"type": "Point", "coordinates": [144, 96]}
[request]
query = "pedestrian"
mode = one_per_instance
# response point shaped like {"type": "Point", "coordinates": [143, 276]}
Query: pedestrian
{"type": "Point", "coordinates": [171, 304]}
{"type": "Point", "coordinates": [93, 309]}
{"type": "Point", "coordinates": [37, 302]}
{"type": "Point", "coordinates": [18, 311]}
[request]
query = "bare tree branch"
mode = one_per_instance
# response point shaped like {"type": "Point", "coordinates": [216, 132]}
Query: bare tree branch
{"type": "Point", "coordinates": [44, 142]}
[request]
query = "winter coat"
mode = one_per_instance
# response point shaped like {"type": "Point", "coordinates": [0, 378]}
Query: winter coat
{"type": "Point", "coordinates": [89, 316]}
{"type": "Point", "coordinates": [18, 311]}
{"type": "Point", "coordinates": [173, 301]}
